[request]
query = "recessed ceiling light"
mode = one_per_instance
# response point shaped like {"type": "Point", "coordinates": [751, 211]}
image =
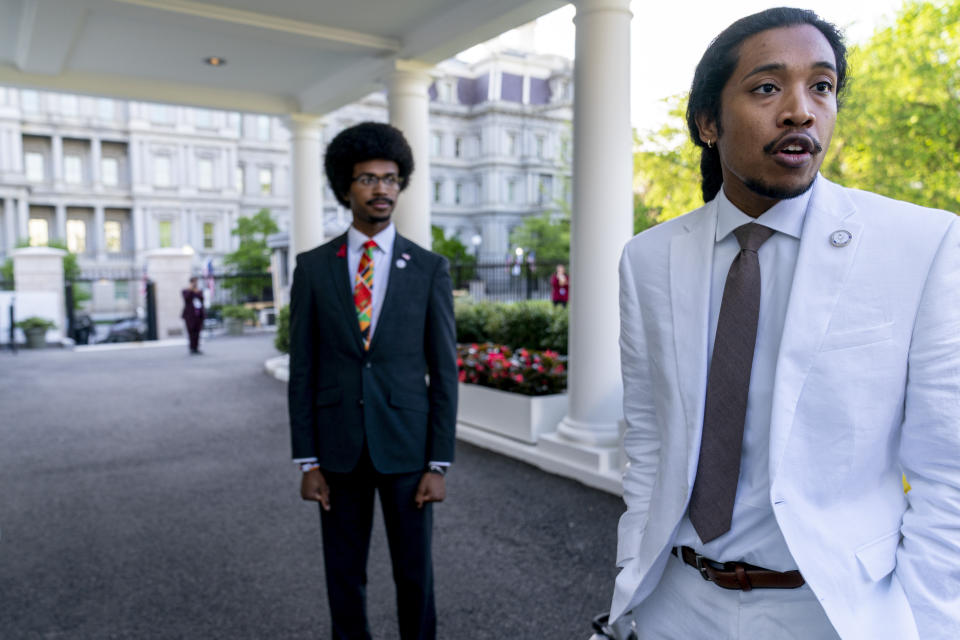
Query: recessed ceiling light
{"type": "Point", "coordinates": [215, 61]}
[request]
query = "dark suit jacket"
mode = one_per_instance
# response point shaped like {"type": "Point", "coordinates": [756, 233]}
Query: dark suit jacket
{"type": "Point", "coordinates": [340, 394]}
{"type": "Point", "coordinates": [192, 314]}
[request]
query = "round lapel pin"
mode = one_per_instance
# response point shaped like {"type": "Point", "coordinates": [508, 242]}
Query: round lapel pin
{"type": "Point", "coordinates": [841, 238]}
{"type": "Point", "coordinates": [401, 263]}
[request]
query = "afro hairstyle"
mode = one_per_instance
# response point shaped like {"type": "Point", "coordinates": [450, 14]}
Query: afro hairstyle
{"type": "Point", "coordinates": [360, 143]}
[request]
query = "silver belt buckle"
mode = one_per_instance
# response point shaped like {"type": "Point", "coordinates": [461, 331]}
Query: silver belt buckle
{"type": "Point", "coordinates": [701, 566]}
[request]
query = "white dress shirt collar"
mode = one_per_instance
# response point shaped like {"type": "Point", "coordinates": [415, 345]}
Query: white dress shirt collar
{"type": "Point", "coordinates": [786, 216]}
{"type": "Point", "coordinates": [384, 239]}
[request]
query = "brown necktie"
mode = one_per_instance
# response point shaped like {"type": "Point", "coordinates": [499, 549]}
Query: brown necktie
{"type": "Point", "coordinates": [715, 487]}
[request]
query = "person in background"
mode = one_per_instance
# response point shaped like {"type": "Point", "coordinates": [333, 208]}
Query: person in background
{"type": "Point", "coordinates": [193, 314]}
{"type": "Point", "coordinates": [560, 283]}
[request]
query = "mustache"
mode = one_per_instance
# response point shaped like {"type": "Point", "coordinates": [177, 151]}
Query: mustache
{"type": "Point", "coordinates": [379, 200]}
{"type": "Point", "coordinates": [805, 139]}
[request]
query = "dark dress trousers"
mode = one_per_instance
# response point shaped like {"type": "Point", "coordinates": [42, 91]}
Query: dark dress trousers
{"type": "Point", "coordinates": [375, 418]}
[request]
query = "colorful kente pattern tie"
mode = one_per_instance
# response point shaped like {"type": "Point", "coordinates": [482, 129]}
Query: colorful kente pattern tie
{"type": "Point", "coordinates": [363, 291]}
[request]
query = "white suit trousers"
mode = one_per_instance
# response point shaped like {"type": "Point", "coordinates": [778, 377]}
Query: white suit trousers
{"type": "Point", "coordinates": [684, 606]}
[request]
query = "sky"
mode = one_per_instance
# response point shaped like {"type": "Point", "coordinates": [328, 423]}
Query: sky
{"type": "Point", "coordinates": [668, 38]}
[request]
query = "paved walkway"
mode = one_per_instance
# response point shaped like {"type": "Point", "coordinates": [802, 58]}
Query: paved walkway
{"type": "Point", "coordinates": [145, 493]}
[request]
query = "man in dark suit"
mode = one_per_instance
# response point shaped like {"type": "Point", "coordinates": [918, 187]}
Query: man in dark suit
{"type": "Point", "coordinates": [373, 384]}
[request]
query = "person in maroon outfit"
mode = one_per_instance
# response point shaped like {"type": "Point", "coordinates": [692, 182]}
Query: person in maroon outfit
{"type": "Point", "coordinates": [193, 314]}
{"type": "Point", "coordinates": [560, 282]}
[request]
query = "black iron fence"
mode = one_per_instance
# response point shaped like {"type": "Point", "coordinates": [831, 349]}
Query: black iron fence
{"type": "Point", "coordinates": [505, 281]}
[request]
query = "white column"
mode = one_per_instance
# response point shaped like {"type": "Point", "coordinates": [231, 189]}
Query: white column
{"type": "Point", "coordinates": [99, 240]}
{"type": "Point", "coordinates": [96, 153]}
{"type": "Point", "coordinates": [306, 232]}
{"type": "Point", "coordinates": [56, 150]}
{"type": "Point", "coordinates": [601, 220]}
{"type": "Point", "coordinates": [186, 232]}
{"type": "Point", "coordinates": [23, 218]}
{"type": "Point", "coordinates": [9, 225]}
{"type": "Point", "coordinates": [409, 100]}
{"type": "Point", "coordinates": [139, 230]}
{"type": "Point", "coordinates": [60, 233]}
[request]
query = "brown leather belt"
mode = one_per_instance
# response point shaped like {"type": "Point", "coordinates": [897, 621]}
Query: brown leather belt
{"type": "Point", "coordinates": [738, 575]}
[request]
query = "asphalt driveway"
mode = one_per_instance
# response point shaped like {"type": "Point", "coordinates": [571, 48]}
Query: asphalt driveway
{"type": "Point", "coordinates": [145, 493]}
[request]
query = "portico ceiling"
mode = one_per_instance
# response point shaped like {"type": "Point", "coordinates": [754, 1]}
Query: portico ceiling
{"type": "Point", "coordinates": [282, 56]}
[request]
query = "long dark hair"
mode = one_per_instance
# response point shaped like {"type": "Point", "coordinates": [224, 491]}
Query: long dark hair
{"type": "Point", "coordinates": [717, 65]}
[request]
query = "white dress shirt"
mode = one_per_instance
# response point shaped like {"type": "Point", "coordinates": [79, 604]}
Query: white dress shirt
{"type": "Point", "coordinates": [754, 536]}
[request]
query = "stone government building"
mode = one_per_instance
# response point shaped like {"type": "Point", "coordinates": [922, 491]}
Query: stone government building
{"type": "Point", "coordinates": [113, 179]}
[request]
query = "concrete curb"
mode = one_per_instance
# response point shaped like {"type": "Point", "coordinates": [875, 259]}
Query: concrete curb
{"type": "Point", "coordinates": [543, 457]}
{"type": "Point", "coordinates": [278, 367]}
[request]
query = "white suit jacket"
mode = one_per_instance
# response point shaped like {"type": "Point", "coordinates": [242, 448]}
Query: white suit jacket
{"type": "Point", "coordinates": [867, 387]}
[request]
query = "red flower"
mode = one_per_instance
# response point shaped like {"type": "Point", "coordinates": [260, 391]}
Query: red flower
{"type": "Point", "coordinates": [518, 377]}
{"type": "Point", "coordinates": [462, 376]}
{"type": "Point", "coordinates": [342, 251]}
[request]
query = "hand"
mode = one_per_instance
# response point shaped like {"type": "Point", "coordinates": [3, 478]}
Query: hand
{"type": "Point", "coordinates": [313, 486]}
{"type": "Point", "coordinates": [432, 488]}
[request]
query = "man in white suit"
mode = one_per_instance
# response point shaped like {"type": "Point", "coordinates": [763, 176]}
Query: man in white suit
{"type": "Point", "coordinates": [851, 377]}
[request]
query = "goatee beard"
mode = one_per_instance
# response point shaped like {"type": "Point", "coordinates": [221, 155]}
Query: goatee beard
{"type": "Point", "coordinates": [777, 193]}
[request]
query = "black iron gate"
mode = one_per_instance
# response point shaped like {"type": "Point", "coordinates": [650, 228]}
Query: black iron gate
{"type": "Point", "coordinates": [120, 300]}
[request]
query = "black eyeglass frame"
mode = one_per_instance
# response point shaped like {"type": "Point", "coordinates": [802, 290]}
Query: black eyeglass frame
{"type": "Point", "coordinates": [389, 180]}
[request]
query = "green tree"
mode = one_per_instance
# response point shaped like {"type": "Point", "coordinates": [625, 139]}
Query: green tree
{"type": "Point", "coordinates": [451, 248]}
{"type": "Point", "coordinates": [252, 255]}
{"type": "Point", "coordinates": [456, 252]}
{"type": "Point", "coordinates": [547, 236]}
{"type": "Point", "coordinates": [897, 132]}
{"type": "Point", "coordinates": [666, 169]}
{"type": "Point", "coordinates": [644, 216]}
{"type": "Point", "coordinates": [6, 272]}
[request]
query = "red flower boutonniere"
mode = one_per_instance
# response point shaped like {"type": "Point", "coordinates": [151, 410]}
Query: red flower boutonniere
{"type": "Point", "coordinates": [342, 251]}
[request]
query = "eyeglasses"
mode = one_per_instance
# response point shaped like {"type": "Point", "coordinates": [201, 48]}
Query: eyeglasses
{"type": "Point", "coordinates": [390, 181]}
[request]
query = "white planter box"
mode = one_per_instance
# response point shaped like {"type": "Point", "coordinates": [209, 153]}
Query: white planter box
{"type": "Point", "coordinates": [513, 415]}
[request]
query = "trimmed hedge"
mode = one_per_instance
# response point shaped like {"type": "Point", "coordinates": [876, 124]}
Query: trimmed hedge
{"type": "Point", "coordinates": [531, 324]}
{"type": "Point", "coordinates": [282, 339]}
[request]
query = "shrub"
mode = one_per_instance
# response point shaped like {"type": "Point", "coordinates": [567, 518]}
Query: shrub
{"type": "Point", "coordinates": [532, 373]}
{"type": "Point", "coordinates": [472, 319]}
{"type": "Point", "coordinates": [534, 324]}
{"type": "Point", "coordinates": [36, 322]}
{"type": "Point", "coordinates": [282, 341]}
{"type": "Point", "coordinates": [239, 312]}
{"type": "Point", "coordinates": [525, 324]}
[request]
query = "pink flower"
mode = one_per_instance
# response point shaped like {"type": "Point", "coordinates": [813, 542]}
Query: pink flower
{"type": "Point", "coordinates": [462, 376]}
{"type": "Point", "coordinates": [518, 377]}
